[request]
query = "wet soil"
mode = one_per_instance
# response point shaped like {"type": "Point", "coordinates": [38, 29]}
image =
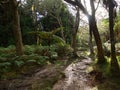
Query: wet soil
{"type": "Point", "coordinates": [77, 77]}
{"type": "Point", "coordinates": [73, 77]}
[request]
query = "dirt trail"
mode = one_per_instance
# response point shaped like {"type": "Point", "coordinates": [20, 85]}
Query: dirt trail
{"type": "Point", "coordinates": [41, 79]}
{"type": "Point", "coordinates": [76, 77]}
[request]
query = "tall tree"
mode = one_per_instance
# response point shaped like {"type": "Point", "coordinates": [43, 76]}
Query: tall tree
{"type": "Point", "coordinates": [75, 30]}
{"type": "Point", "coordinates": [16, 27]}
{"type": "Point", "coordinates": [93, 27]}
{"type": "Point", "coordinates": [114, 64]}
{"type": "Point", "coordinates": [111, 5]}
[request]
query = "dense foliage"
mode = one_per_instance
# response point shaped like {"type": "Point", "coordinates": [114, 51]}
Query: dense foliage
{"type": "Point", "coordinates": [46, 22]}
{"type": "Point", "coordinates": [43, 32]}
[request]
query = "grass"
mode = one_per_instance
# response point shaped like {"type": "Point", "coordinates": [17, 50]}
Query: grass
{"type": "Point", "coordinates": [109, 82]}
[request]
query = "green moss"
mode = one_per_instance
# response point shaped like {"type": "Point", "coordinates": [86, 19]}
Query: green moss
{"type": "Point", "coordinates": [109, 82]}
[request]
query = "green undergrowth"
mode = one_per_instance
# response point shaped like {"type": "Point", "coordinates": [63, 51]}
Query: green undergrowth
{"type": "Point", "coordinates": [34, 55]}
{"type": "Point", "coordinates": [108, 81]}
{"type": "Point", "coordinates": [105, 67]}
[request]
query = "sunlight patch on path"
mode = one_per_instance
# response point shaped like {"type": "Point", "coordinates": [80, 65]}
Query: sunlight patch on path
{"type": "Point", "coordinates": [76, 77]}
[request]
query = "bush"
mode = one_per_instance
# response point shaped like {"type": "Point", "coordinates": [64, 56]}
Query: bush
{"type": "Point", "coordinates": [28, 49]}
{"type": "Point", "coordinates": [63, 49]}
{"type": "Point", "coordinates": [7, 52]}
{"type": "Point", "coordinates": [42, 50]}
{"type": "Point", "coordinates": [33, 55]}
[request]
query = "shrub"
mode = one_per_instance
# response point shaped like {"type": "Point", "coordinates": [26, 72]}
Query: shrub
{"type": "Point", "coordinates": [28, 49]}
{"type": "Point", "coordinates": [63, 49]}
{"type": "Point", "coordinates": [42, 50]}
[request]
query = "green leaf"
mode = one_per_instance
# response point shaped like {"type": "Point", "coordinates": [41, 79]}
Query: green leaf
{"type": "Point", "coordinates": [19, 63]}
{"type": "Point", "coordinates": [5, 64]}
{"type": "Point", "coordinates": [31, 61]}
{"type": "Point", "coordinates": [58, 39]}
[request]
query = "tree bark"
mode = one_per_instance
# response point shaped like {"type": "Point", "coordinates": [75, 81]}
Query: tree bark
{"type": "Point", "coordinates": [100, 52]}
{"type": "Point", "coordinates": [75, 30]}
{"type": "Point", "coordinates": [94, 29]}
{"type": "Point", "coordinates": [16, 28]}
{"type": "Point", "coordinates": [90, 42]}
{"type": "Point", "coordinates": [114, 64]}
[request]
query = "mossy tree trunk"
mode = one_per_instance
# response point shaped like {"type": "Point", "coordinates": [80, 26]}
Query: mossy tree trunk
{"type": "Point", "coordinates": [100, 52]}
{"type": "Point", "coordinates": [114, 64]}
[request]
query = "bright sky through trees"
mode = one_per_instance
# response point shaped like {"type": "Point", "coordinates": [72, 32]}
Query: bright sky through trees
{"type": "Point", "coordinates": [101, 11]}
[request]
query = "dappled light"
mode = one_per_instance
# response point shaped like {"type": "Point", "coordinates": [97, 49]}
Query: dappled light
{"type": "Point", "coordinates": [59, 45]}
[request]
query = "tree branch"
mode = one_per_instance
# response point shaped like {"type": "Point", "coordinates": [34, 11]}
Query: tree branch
{"type": "Point", "coordinates": [92, 7]}
{"type": "Point", "coordinates": [97, 5]}
{"type": "Point", "coordinates": [79, 4]}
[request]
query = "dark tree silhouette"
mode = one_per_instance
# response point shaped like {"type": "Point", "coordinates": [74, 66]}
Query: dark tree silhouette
{"type": "Point", "coordinates": [93, 27]}
{"type": "Point", "coordinates": [114, 63]}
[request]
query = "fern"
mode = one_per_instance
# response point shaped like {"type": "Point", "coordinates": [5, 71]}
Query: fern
{"type": "Point", "coordinates": [5, 64]}
{"type": "Point", "coordinates": [28, 49]}
{"type": "Point", "coordinates": [19, 63]}
{"type": "Point", "coordinates": [42, 60]}
{"type": "Point", "coordinates": [31, 60]}
{"type": "Point", "coordinates": [58, 39]}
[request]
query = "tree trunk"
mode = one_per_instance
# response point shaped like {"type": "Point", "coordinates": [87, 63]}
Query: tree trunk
{"type": "Point", "coordinates": [90, 43]}
{"type": "Point", "coordinates": [94, 29]}
{"type": "Point", "coordinates": [16, 28]}
{"type": "Point", "coordinates": [74, 33]}
{"type": "Point", "coordinates": [73, 44]}
{"type": "Point", "coordinates": [114, 64]}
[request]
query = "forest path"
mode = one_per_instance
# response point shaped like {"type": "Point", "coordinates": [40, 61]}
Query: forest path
{"type": "Point", "coordinates": [77, 77]}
